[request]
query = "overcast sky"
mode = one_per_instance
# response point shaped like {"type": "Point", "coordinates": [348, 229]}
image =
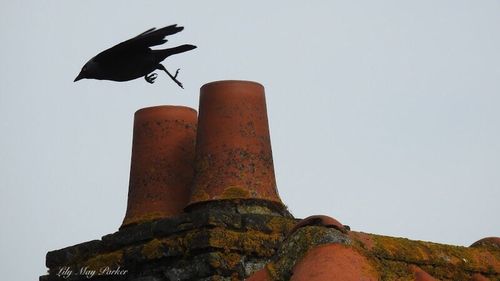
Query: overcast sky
{"type": "Point", "coordinates": [383, 114]}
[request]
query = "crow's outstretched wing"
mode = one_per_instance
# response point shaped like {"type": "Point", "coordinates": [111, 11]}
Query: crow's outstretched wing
{"type": "Point", "coordinates": [151, 37]}
{"type": "Point", "coordinates": [140, 43]}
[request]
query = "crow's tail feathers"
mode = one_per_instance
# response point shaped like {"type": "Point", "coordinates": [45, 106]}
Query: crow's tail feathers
{"type": "Point", "coordinates": [163, 54]}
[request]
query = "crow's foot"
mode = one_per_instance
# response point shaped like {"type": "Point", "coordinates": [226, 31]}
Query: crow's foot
{"type": "Point", "coordinates": [151, 78]}
{"type": "Point", "coordinates": [178, 83]}
{"type": "Point", "coordinates": [173, 77]}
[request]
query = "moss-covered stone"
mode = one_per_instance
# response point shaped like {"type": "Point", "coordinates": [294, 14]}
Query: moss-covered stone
{"type": "Point", "coordinates": [394, 256]}
{"type": "Point", "coordinates": [229, 240]}
{"type": "Point", "coordinates": [296, 246]}
{"type": "Point", "coordinates": [111, 260]}
{"type": "Point", "coordinates": [154, 249]}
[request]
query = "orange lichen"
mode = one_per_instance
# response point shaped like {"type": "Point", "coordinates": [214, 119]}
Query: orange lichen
{"type": "Point", "coordinates": [228, 261]}
{"type": "Point", "coordinates": [258, 243]}
{"type": "Point", "coordinates": [112, 259]}
{"type": "Point", "coordinates": [280, 224]}
{"type": "Point", "coordinates": [250, 241]}
{"type": "Point", "coordinates": [232, 259]}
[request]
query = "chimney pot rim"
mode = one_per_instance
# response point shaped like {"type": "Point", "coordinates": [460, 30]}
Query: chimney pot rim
{"type": "Point", "coordinates": [231, 83]}
{"type": "Point", "coordinates": [160, 107]}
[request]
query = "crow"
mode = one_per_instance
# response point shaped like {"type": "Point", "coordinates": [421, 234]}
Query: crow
{"type": "Point", "coordinates": [134, 58]}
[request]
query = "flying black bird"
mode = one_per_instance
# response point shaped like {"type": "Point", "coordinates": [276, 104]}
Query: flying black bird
{"type": "Point", "coordinates": [134, 58]}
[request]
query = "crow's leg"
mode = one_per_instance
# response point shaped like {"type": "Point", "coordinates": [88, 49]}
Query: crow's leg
{"type": "Point", "coordinates": [173, 77]}
{"type": "Point", "coordinates": [151, 77]}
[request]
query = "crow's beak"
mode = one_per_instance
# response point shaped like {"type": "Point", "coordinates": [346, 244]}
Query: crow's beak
{"type": "Point", "coordinates": [79, 77]}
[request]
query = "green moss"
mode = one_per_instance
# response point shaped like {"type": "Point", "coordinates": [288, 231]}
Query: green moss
{"type": "Point", "coordinates": [393, 257]}
{"type": "Point", "coordinates": [393, 270]}
{"type": "Point", "coordinates": [251, 241]}
{"type": "Point", "coordinates": [200, 195]}
{"type": "Point", "coordinates": [235, 192]}
{"type": "Point", "coordinates": [153, 249]}
{"type": "Point", "coordinates": [294, 248]}
{"type": "Point", "coordinates": [143, 218]}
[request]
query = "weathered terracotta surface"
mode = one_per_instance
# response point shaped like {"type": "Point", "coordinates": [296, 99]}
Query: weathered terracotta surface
{"type": "Point", "coordinates": [421, 275]}
{"type": "Point", "coordinates": [479, 277]}
{"type": "Point", "coordinates": [334, 262]}
{"type": "Point", "coordinates": [162, 162]}
{"type": "Point", "coordinates": [261, 275]}
{"type": "Point", "coordinates": [319, 220]}
{"type": "Point", "coordinates": [233, 148]}
{"type": "Point", "coordinates": [493, 242]}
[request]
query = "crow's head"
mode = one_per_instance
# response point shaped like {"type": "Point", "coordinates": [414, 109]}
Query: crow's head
{"type": "Point", "coordinates": [89, 70]}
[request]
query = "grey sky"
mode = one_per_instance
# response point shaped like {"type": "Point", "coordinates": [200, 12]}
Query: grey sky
{"type": "Point", "coordinates": [383, 114]}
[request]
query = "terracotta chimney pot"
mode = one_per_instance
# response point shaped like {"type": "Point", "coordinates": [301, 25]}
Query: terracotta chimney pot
{"type": "Point", "coordinates": [233, 147]}
{"type": "Point", "coordinates": [161, 169]}
{"type": "Point", "coordinates": [493, 242]}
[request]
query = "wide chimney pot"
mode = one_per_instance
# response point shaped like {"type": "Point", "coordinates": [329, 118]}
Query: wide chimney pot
{"type": "Point", "coordinates": [233, 147]}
